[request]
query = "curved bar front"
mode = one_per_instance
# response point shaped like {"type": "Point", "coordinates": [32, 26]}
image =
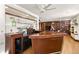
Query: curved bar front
{"type": "Point", "coordinates": [47, 42]}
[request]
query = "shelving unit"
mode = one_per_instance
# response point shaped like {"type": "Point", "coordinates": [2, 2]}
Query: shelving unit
{"type": "Point", "coordinates": [63, 26]}
{"type": "Point", "coordinates": [74, 28]}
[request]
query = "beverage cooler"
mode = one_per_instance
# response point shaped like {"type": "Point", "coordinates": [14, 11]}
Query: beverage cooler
{"type": "Point", "coordinates": [18, 45]}
{"type": "Point", "coordinates": [22, 44]}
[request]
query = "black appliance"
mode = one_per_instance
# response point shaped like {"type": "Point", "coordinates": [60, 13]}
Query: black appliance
{"type": "Point", "coordinates": [22, 44]}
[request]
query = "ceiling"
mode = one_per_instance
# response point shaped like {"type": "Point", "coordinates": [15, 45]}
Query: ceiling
{"type": "Point", "coordinates": [61, 10]}
{"type": "Point", "coordinates": [15, 12]}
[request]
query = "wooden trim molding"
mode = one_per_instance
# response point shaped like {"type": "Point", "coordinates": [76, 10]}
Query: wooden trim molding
{"type": "Point", "coordinates": [19, 16]}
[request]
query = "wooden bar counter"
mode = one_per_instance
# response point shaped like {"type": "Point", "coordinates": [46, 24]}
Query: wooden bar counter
{"type": "Point", "coordinates": [47, 42]}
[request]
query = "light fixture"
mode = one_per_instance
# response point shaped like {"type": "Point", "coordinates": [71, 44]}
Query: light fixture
{"type": "Point", "coordinates": [27, 15]}
{"type": "Point", "coordinates": [6, 7]}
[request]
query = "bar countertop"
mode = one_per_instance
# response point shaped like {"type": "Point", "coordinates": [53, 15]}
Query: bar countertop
{"type": "Point", "coordinates": [47, 35]}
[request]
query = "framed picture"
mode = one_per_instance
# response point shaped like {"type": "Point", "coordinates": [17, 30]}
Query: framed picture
{"type": "Point", "coordinates": [13, 21]}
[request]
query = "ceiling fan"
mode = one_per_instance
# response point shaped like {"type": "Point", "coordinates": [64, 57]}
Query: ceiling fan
{"type": "Point", "coordinates": [47, 7]}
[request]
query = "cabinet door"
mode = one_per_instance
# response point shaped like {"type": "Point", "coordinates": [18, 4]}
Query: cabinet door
{"type": "Point", "coordinates": [2, 28]}
{"type": "Point", "coordinates": [42, 26]}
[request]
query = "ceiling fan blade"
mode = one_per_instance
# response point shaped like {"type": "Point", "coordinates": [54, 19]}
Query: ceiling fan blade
{"type": "Point", "coordinates": [50, 9]}
{"type": "Point", "coordinates": [47, 6]}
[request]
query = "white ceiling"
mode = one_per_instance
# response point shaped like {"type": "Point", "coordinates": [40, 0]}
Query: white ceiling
{"type": "Point", "coordinates": [62, 10]}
